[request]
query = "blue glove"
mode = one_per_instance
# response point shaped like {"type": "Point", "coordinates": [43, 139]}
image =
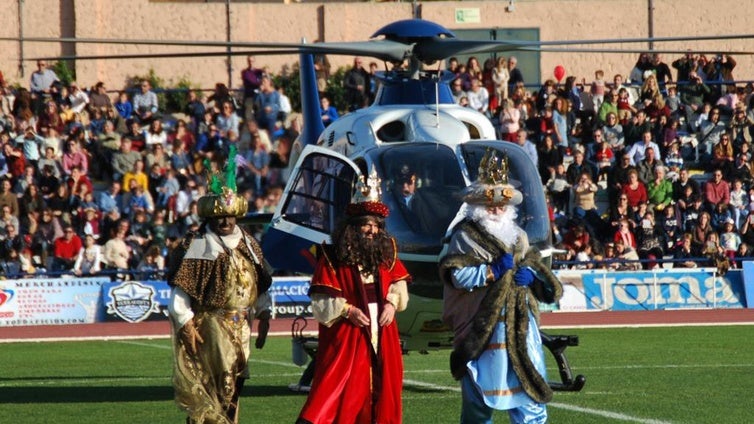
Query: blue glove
{"type": "Point", "coordinates": [523, 277]}
{"type": "Point", "coordinates": [501, 265]}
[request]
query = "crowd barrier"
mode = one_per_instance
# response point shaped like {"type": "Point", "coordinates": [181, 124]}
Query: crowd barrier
{"type": "Point", "coordinates": [69, 300]}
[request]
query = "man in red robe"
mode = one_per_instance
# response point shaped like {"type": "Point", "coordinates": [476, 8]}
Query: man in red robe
{"type": "Point", "coordinates": [358, 285]}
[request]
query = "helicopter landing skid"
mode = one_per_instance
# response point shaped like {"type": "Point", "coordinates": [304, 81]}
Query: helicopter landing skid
{"type": "Point", "coordinates": [557, 345]}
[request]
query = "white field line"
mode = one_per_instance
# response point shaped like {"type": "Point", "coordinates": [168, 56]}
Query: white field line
{"type": "Point", "coordinates": [589, 411]}
{"type": "Point", "coordinates": [117, 338]}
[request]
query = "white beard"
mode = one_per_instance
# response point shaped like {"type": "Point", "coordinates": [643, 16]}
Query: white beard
{"type": "Point", "coordinates": [503, 226]}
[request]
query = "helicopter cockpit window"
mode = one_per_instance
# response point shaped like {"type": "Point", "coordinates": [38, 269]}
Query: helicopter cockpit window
{"type": "Point", "coordinates": [421, 183]}
{"type": "Point", "coordinates": [532, 213]}
{"type": "Point", "coordinates": [414, 92]}
{"type": "Point", "coordinates": [321, 189]}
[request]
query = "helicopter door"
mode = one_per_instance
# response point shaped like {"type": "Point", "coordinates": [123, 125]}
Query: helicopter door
{"type": "Point", "coordinates": [314, 200]}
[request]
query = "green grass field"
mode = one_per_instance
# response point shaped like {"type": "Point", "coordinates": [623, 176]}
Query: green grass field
{"type": "Point", "coordinates": [640, 375]}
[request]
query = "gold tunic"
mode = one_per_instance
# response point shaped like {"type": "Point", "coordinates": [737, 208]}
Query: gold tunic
{"type": "Point", "coordinates": [207, 385]}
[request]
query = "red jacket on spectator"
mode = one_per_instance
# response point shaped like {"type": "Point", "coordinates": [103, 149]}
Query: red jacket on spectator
{"type": "Point", "coordinates": [717, 191]}
{"type": "Point", "coordinates": [635, 196]}
{"type": "Point", "coordinates": [67, 249]}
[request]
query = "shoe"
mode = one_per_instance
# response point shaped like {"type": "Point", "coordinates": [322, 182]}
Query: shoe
{"type": "Point", "coordinates": [299, 388]}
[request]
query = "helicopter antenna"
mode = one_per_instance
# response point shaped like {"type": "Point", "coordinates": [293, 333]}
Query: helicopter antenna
{"type": "Point", "coordinates": [437, 95]}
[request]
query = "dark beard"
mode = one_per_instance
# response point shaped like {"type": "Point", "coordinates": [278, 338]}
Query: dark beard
{"type": "Point", "coordinates": [356, 249]}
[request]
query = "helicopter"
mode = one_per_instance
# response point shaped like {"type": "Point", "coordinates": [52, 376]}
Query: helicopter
{"type": "Point", "coordinates": [415, 123]}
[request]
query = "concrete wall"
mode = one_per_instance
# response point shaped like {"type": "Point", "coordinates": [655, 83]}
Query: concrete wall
{"type": "Point", "coordinates": [267, 22]}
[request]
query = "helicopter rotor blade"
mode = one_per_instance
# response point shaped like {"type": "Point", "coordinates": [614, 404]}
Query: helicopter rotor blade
{"type": "Point", "coordinates": [387, 50]}
{"type": "Point", "coordinates": [166, 55]}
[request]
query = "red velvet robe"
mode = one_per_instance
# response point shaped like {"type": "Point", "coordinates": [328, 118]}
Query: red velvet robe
{"type": "Point", "coordinates": [351, 383]}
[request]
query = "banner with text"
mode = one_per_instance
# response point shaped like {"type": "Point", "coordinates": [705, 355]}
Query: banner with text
{"type": "Point", "coordinates": [662, 289]}
{"type": "Point", "coordinates": [50, 301]}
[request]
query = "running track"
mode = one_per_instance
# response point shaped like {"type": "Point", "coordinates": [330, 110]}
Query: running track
{"type": "Point", "coordinates": [118, 330]}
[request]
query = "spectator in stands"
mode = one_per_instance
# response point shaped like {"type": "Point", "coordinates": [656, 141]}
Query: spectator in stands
{"type": "Point", "coordinates": [691, 212]}
{"type": "Point", "coordinates": [649, 241]}
{"type": "Point", "coordinates": [124, 106]}
{"type": "Point", "coordinates": [628, 259]}
{"type": "Point", "coordinates": [639, 150]}
{"type": "Point", "coordinates": [670, 225]}
{"type": "Point", "coordinates": [116, 252]}
{"type": "Point", "coordinates": [635, 129]}
{"type": "Point", "coordinates": [136, 174]}
{"type": "Point", "coordinates": [78, 183]}
{"type": "Point", "coordinates": [739, 202]}
{"type": "Point", "coordinates": [66, 249]}
{"type": "Point", "coordinates": [227, 120]}
{"type": "Point", "coordinates": [251, 78]}
{"type": "Point", "coordinates": [661, 71]}
{"type": "Point", "coordinates": [98, 98]}
{"type": "Point", "coordinates": [577, 167]}
{"type": "Point", "coordinates": [168, 188]}
{"type": "Point", "coordinates": [685, 255]}
{"type": "Point", "coordinates": [41, 85]}
{"type": "Point", "coordinates": [74, 158]}
{"type": "Point", "coordinates": [613, 133]}
{"type": "Point", "coordinates": [10, 241]}
{"type": "Point", "coordinates": [716, 190]}
{"type": "Point", "coordinates": [719, 215]}
{"type": "Point", "coordinates": [659, 190]}
{"type": "Point", "coordinates": [328, 112]}
{"type": "Point", "coordinates": [685, 65]}
{"type": "Point", "coordinates": [641, 69]}
{"type": "Point", "coordinates": [730, 239]}
{"type": "Point", "coordinates": [584, 205]}
{"type": "Point", "coordinates": [124, 160]}
{"type": "Point", "coordinates": [155, 135]}
{"type": "Point", "coordinates": [14, 159]}
{"type": "Point", "coordinates": [155, 178]}
{"type": "Point", "coordinates": [693, 95]}
{"type": "Point", "coordinates": [7, 219]}
{"type": "Point", "coordinates": [89, 259]}
{"type": "Point", "coordinates": [22, 183]}
{"type": "Point", "coordinates": [145, 104]}
{"type": "Point", "coordinates": [646, 166]}
{"type": "Point", "coordinates": [152, 264]}
{"type": "Point", "coordinates": [479, 98]}
{"type": "Point", "coordinates": [719, 69]}
{"type": "Point", "coordinates": [78, 98]}
{"type": "Point", "coordinates": [610, 105]}
{"type": "Point", "coordinates": [516, 77]}
{"type": "Point", "coordinates": [7, 197]}
{"type": "Point", "coordinates": [722, 157]}
{"type": "Point", "coordinates": [500, 77]}
{"type": "Point", "coordinates": [702, 230]}
{"type": "Point", "coordinates": [634, 190]}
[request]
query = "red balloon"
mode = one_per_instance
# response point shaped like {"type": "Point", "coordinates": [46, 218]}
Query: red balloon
{"type": "Point", "coordinates": [559, 72]}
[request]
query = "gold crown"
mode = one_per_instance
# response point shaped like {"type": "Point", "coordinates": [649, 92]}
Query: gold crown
{"type": "Point", "coordinates": [493, 170]}
{"type": "Point", "coordinates": [492, 187]}
{"type": "Point", "coordinates": [367, 198]}
{"type": "Point", "coordinates": [225, 204]}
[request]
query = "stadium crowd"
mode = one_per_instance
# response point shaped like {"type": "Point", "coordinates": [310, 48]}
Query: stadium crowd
{"type": "Point", "coordinates": [636, 170]}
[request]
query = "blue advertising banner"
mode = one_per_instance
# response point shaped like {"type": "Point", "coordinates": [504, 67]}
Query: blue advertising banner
{"type": "Point", "coordinates": [663, 289]}
{"type": "Point", "coordinates": [748, 277]}
{"type": "Point", "coordinates": [135, 301]}
{"type": "Point", "coordinates": [50, 301]}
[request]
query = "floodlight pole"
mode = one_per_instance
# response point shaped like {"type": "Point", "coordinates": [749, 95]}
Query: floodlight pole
{"type": "Point", "coordinates": [229, 60]}
{"type": "Point", "coordinates": [650, 23]}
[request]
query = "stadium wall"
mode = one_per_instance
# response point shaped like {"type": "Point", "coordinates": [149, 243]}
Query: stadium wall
{"type": "Point", "coordinates": [290, 22]}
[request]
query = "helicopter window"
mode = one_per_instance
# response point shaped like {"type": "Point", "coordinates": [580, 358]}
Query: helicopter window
{"type": "Point", "coordinates": [474, 133]}
{"type": "Point", "coordinates": [322, 186]}
{"type": "Point", "coordinates": [392, 131]}
{"type": "Point", "coordinates": [414, 92]}
{"type": "Point", "coordinates": [421, 183]}
{"type": "Point", "coordinates": [532, 213]}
